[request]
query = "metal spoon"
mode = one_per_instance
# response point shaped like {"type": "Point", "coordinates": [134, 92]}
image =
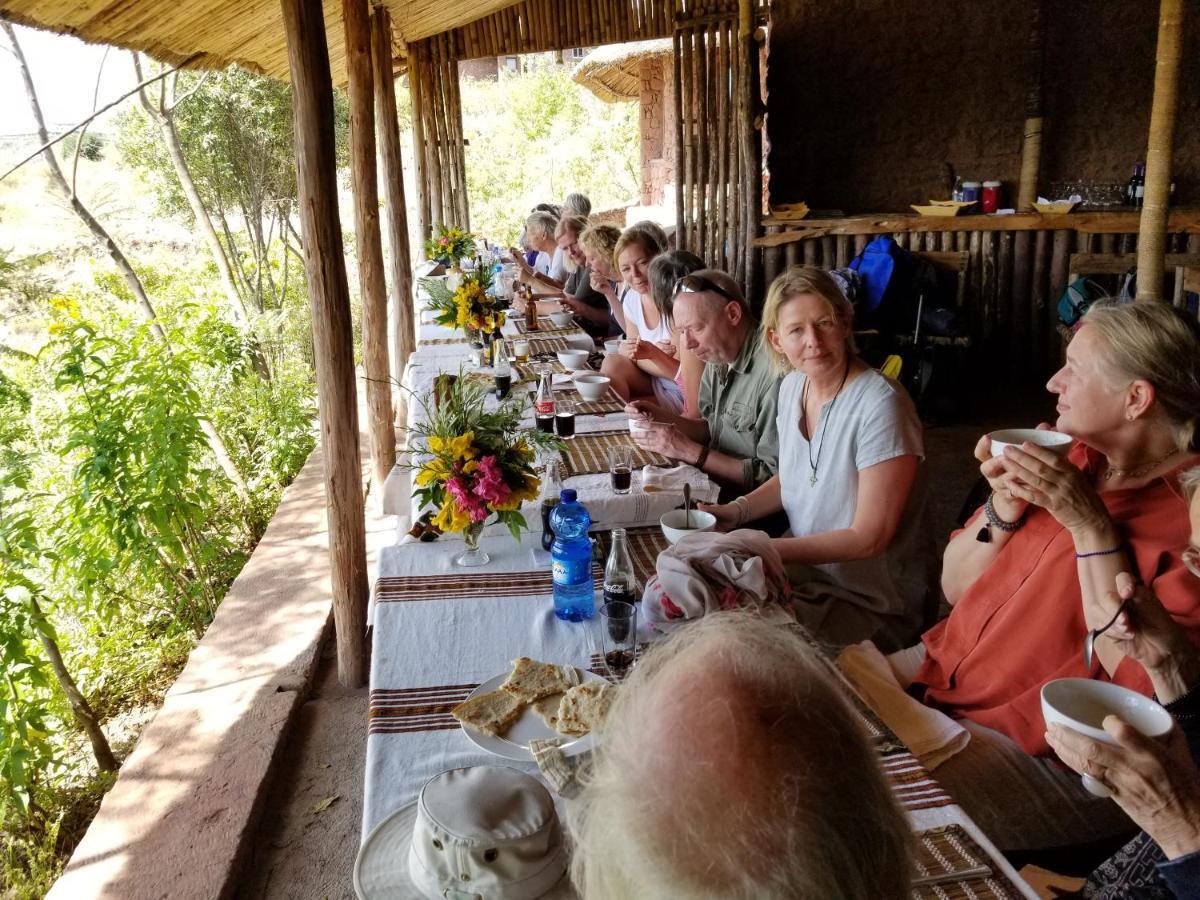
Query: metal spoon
{"type": "Point", "coordinates": [687, 504]}
{"type": "Point", "coordinates": [1090, 642]}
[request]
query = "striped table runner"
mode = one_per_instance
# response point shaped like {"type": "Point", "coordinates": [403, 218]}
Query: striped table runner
{"type": "Point", "coordinates": [450, 340]}
{"type": "Point", "coordinates": [479, 586]}
{"type": "Point", "coordinates": [911, 782]}
{"type": "Point", "coordinates": [588, 454]}
{"type": "Point", "coordinates": [415, 709]}
{"type": "Point", "coordinates": [644, 546]}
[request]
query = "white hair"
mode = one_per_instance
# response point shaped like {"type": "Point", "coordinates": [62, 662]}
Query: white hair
{"type": "Point", "coordinates": [731, 766]}
{"type": "Point", "coordinates": [1190, 481]}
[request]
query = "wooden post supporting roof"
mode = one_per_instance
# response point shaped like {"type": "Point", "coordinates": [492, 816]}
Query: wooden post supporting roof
{"type": "Point", "coordinates": [329, 299]}
{"type": "Point", "coordinates": [751, 152]}
{"type": "Point", "coordinates": [369, 249]}
{"type": "Point", "coordinates": [1152, 235]}
{"type": "Point", "coordinates": [1031, 143]}
{"type": "Point", "coordinates": [404, 339]}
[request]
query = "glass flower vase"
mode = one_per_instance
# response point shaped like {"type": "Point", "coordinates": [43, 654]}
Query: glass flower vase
{"type": "Point", "coordinates": [472, 556]}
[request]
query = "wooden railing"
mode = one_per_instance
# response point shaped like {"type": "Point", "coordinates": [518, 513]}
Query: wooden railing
{"type": "Point", "coordinates": [1018, 265]}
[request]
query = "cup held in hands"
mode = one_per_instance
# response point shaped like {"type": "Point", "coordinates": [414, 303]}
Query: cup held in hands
{"type": "Point", "coordinates": [1082, 705]}
{"type": "Point", "coordinates": [1055, 441]}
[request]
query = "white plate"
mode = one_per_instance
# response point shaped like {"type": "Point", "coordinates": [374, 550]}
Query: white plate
{"type": "Point", "coordinates": [528, 727]}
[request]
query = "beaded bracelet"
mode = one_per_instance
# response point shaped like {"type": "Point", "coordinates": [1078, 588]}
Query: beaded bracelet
{"type": "Point", "coordinates": [1116, 549]}
{"type": "Point", "coordinates": [743, 506]}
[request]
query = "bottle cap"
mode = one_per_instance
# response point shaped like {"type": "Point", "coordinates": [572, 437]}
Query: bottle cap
{"type": "Point", "coordinates": [991, 184]}
{"type": "Point", "coordinates": [568, 495]}
{"type": "Point", "coordinates": [970, 184]}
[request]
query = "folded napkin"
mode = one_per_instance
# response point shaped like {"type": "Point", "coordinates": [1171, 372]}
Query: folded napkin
{"type": "Point", "coordinates": [671, 479]}
{"type": "Point", "coordinates": [931, 735]}
{"type": "Point", "coordinates": [707, 571]}
{"type": "Point", "coordinates": [566, 775]}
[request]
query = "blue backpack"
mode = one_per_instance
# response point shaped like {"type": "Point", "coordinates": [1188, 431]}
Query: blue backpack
{"type": "Point", "coordinates": [887, 271]}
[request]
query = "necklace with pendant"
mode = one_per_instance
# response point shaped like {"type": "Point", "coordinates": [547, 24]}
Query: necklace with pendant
{"type": "Point", "coordinates": [813, 464]}
{"type": "Point", "coordinates": [1114, 472]}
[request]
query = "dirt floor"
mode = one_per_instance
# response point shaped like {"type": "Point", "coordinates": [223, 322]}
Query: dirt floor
{"type": "Point", "coordinates": [309, 840]}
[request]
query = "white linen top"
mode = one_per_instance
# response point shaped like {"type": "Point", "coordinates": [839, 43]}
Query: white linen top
{"type": "Point", "coordinates": [872, 421]}
{"type": "Point", "coordinates": [631, 302]}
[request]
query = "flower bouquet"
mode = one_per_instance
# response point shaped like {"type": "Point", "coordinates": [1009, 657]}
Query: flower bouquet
{"type": "Point", "coordinates": [475, 463]}
{"type": "Point", "coordinates": [449, 246]}
{"type": "Point", "coordinates": [470, 306]}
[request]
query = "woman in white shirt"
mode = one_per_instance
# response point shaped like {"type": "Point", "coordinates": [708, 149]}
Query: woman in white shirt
{"type": "Point", "coordinates": [850, 480]}
{"type": "Point", "coordinates": [648, 361]}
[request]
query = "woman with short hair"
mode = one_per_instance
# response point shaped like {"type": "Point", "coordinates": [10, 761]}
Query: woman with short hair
{"type": "Point", "coordinates": [850, 449]}
{"type": "Point", "coordinates": [598, 243]}
{"type": "Point", "coordinates": [665, 271]}
{"type": "Point", "coordinates": [1028, 576]}
{"type": "Point", "coordinates": [588, 304]}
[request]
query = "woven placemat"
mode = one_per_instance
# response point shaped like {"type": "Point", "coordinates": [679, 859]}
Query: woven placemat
{"type": "Point", "coordinates": [588, 454]}
{"type": "Point", "coordinates": [540, 345]}
{"type": "Point", "coordinates": [609, 403]}
{"type": "Point", "coordinates": [525, 371]}
{"type": "Point", "coordinates": [425, 342]}
{"type": "Point", "coordinates": [644, 546]}
{"type": "Point", "coordinates": [546, 327]}
{"type": "Point", "coordinates": [950, 865]}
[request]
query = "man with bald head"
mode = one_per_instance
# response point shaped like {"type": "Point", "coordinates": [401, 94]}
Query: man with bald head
{"type": "Point", "coordinates": [732, 766]}
{"type": "Point", "coordinates": [735, 440]}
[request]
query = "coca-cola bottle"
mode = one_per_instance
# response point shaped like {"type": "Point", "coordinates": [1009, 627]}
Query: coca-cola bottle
{"type": "Point", "coordinates": [620, 582]}
{"type": "Point", "coordinates": [543, 404]}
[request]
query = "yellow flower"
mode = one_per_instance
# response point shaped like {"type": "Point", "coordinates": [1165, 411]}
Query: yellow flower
{"type": "Point", "coordinates": [433, 471]}
{"type": "Point", "coordinates": [453, 448]}
{"type": "Point", "coordinates": [527, 491]}
{"type": "Point", "coordinates": [450, 517]}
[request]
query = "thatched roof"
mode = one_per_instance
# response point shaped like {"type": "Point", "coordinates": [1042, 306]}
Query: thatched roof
{"type": "Point", "coordinates": [212, 34]}
{"type": "Point", "coordinates": [612, 72]}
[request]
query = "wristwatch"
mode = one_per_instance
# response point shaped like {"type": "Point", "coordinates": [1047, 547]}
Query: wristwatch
{"type": "Point", "coordinates": [700, 460]}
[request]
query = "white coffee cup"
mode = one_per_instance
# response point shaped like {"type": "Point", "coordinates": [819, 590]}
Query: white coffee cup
{"type": "Point", "coordinates": [1082, 704]}
{"type": "Point", "coordinates": [1054, 441]}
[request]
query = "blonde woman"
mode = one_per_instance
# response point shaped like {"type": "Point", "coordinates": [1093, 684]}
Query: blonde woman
{"type": "Point", "coordinates": [850, 451]}
{"type": "Point", "coordinates": [598, 243]}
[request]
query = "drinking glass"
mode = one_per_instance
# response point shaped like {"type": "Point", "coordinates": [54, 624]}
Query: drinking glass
{"type": "Point", "coordinates": [620, 469]}
{"type": "Point", "coordinates": [564, 419]}
{"type": "Point", "coordinates": [618, 637]}
{"type": "Point", "coordinates": [521, 351]}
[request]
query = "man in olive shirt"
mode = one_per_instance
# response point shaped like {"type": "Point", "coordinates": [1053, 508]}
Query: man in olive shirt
{"type": "Point", "coordinates": [734, 440]}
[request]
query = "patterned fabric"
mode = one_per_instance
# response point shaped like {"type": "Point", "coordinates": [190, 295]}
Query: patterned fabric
{"type": "Point", "coordinates": [541, 345]}
{"type": "Point", "coordinates": [1129, 874]}
{"type": "Point", "coordinates": [547, 327]}
{"type": "Point", "coordinates": [950, 863]}
{"type": "Point", "coordinates": [588, 454]}
{"type": "Point", "coordinates": [525, 371]}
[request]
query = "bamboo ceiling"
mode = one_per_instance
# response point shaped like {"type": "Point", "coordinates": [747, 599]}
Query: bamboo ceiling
{"type": "Point", "coordinates": [215, 33]}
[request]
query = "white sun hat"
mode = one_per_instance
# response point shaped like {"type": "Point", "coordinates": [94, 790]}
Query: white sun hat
{"type": "Point", "coordinates": [479, 833]}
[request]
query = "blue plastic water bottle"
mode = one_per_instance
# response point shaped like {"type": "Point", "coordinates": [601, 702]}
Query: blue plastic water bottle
{"type": "Point", "coordinates": [572, 554]}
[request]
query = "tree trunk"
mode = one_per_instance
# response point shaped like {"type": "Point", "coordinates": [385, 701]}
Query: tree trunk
{"type": "Point", "coordinates": [166, 124]}
{"type": "Point", "coordinates": [82, 710]}
{"type": "Point", "coordinates": [131, 279]}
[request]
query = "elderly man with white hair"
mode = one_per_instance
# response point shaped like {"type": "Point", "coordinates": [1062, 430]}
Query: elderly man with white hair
{"type": "Point", "coordinates": [735, 439]}
{"type": "Point", "coordinates": [723, 758]}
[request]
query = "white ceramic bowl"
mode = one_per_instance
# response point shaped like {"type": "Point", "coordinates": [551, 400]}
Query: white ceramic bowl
{"type": "Point", "coordinates": [672, 523]}
{"type": "Point", "coordinates": [1081, 705]}
{"type": "Point", "coordinates": [561, 319]}
{"type": "Point", "coordinates": [1054, 441]}
{"type": "Point", "coordinates": [613, 347]}
{"type": "Point", "coordinates": [574, 360]}
{"type": "Point", "coordinates": [591, 387]}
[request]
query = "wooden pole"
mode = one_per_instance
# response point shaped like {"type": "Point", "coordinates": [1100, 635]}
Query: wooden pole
{"type": "Point", "coordinates": [403, 330]}
{"type": "Point", "coordinates": [329, 299]}
{"type": "Point", "coordinates": [418, 96]}
{"type": "Point", "coordinates": [751, 162]}
{"type": "Point", "coordinates": [356, 18]}
{"type": "Point", "coordinates": [1153, 228]}
{"type": "Point", "coordinates": [1031, 143]}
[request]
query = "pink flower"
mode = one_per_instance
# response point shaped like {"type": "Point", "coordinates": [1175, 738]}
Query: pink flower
{"type": "Point", "coordinates": [474, 507]}
{"type": "Point", "coordinates": [489, 481]}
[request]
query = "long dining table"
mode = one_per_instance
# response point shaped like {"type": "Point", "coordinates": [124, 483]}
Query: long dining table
{"type": "Point", "coordinates": [439, 631]}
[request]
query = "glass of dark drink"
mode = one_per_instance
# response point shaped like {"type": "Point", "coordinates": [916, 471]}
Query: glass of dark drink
{"type": "Point", "coordinates": [620, 467]}
{"type": "Point", "coordinates": [564, 419]}
{"type": "Point", "coordinates": [545, 423]}
{"type": "Point", "coordinates": [618, 637]}
{"type": "Point", "coordinates": [503, 385]}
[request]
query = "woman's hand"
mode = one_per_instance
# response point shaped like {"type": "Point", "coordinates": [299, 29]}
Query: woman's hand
{"type": "Point", "coordinates": [1008, 507]}
{"type": "Point", "coordinates": [1146, 633]}
{"type": "Point", "coordinates": [1155, 782]}
{"type": "Point", "coordinates": [1043, 478]}
{"type": "Point", "coordinates": [602, 284]}
{"type": "Point", "coordinates": [668, 348]}
{"type": "Point", "coordinates": [726, 514]}
{"type": "Point", "coordinates": [570, 304]}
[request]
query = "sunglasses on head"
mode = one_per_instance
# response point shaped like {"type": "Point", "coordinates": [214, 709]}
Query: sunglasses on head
{"type": "Point", "coordinates": [698, 284]}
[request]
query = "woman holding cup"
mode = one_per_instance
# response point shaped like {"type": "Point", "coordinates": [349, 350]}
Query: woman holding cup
{"type": "Point", "coordinates": [1028, 576]}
